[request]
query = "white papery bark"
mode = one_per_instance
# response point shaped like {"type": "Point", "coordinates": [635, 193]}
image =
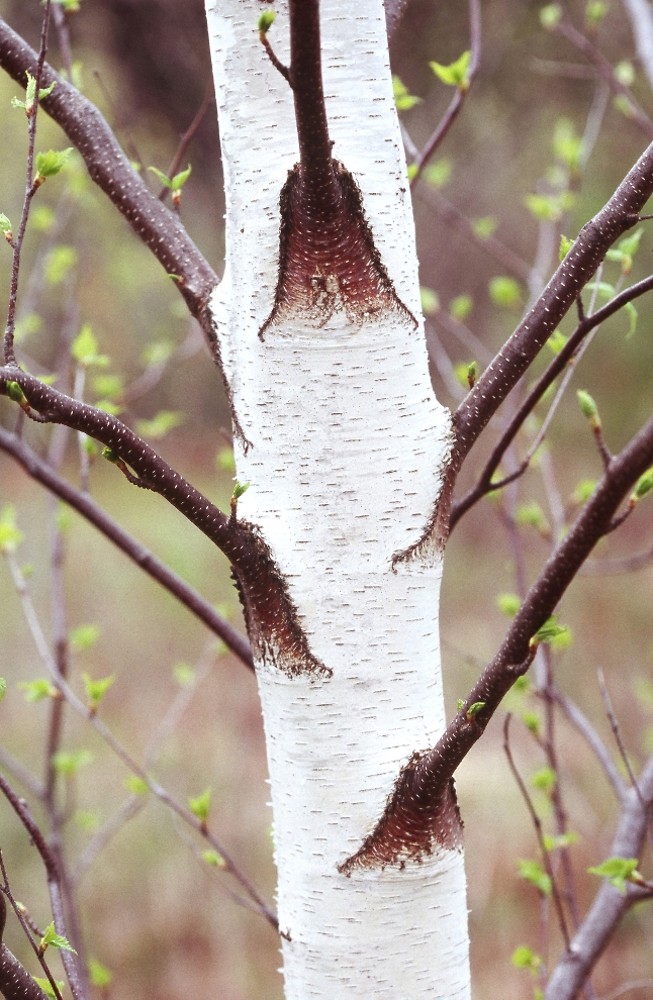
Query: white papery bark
{"type": "Point", "coordinates": [347, 449]}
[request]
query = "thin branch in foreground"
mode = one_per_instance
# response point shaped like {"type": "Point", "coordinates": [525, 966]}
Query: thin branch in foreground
{"type": "Point", "coordinates": [484, 484]}
{"type": "Point", "coordinates": [159, 791]}
{"type": "Point", "coordinates": [456, 103]}
{"type": "Point", "coordinates": [620, 213]}
{"type": "Point", "coordinates": [31, 111]}
{"type": "Point", "coordinates": [42, 472]}
{"type": "Point", "coordinates": [537, 826]}
{"type": "Point", "coordinates": [610, 905]}
{"type": "Point", "coordinates": [420, 804]}
{"type": "Point", "coordinates": [110, 169]}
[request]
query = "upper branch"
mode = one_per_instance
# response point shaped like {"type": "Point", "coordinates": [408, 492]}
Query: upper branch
{"type": "Point", "coordinates": [619, 214]}
{"type": "Point", "coordinates": [108, 166]}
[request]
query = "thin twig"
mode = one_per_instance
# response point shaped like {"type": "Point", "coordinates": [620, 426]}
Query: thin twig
{"type": "Point", "coordinates": [616, 732]}
{"type": "Point", "coordinates": [457, 101]}
{"type": "Point", "coordinates": [580, 722]}
{"type": "Point", "coordinates": [537, 826]}
{"type": "Point", "coordinates": [42, 472]}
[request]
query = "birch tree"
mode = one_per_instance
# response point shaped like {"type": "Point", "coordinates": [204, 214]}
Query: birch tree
{"type": "Point", "coordinates": [346, 467]}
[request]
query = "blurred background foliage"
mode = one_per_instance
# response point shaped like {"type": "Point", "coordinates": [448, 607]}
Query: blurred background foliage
{"type": "Point", "coordinates": [539, 146]}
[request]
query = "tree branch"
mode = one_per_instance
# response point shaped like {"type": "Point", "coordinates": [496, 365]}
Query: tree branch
{"type": "Point", "coordinates": [458, 99]}
{"type": "Point", "coordinates": [555, 368]}
{"type": "Point", "coordinates": [43, 473]}
{"type": "Point", "coordinates": [158, 227]}
{"type": "Point", "coordinates": [618, 215]}
{"type": "Point", "coordinates": [420, 807]}
{"type": "Point", "coordinates": [609, 904]}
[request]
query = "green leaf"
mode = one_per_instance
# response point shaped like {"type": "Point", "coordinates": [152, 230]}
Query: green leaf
{"type": "Point", "coordinates": [184, 675]}
{"type": "Point", "coordinates": [550, 16]}
{"type": "Point", "coordinates": [136, 785]}
{"type": "Point", "coordinates": [505, 292]}
{"type": "Point", "coordinates": [10, 536]}
{"type": "Point", "coordinates": [524, 957]}
{"type": "Point", "coordinates": [565, 246]}
{"type": "Point", "coordinates": [533, 872]}
{"type": "Point", "coordinates": [532, 721]}
{"type": "Point", "coordinates": [542, 206]}
{"type": "Point", "coordinates": [618, 871]}
{"type": "Point", "coordinates": [625, 72]}
{"type": "Point", "coordinates": [225, 460]}
{"type": "Point", "coordinates": [5, 226]}
{"type": "Point", "coordinates": [158, 352]}
{"type": "Point", "coordinates": [214, 859]}
{"type": "Point", "coordinates": [38, 689]}
{"type": "Point", "coordinates": [161, 424]}
{"type": "Point", "coordinates": [84, 637]}
{"type": "Point", "coordinates": [644, 485]}
{"type": "Point", "coordinates": [595, 11]}
{"type": "Point", "coordinates": [239, 490]}
{"type": "Point", "coordinates": [69, 762]}
{"type": "Point", "coordinates": [560, 841]}
{"type": "Point", "coordinates": [429, 300]}
{"type": "Point", "coordinates": [625, 251]}
{"type": "Point", "coordinates": [460, 307]}
{"type": "Point", "coordinates": [548, 632]}
{"type": "Point", "coordinates": [59, 263]}
{"type": "Point", "coordinates": [46, 987]}
{"type": "Point", "coordinates": [175, 183]}
{"type": "Point", "coordinates": [475, 708]}
{"type": "Point", "coordinates": [544, 779]}
{"type": "Point", "coordinates": [101, 977]}
{"type": "Point", "coordinates": [556, 341]}
{"type": "Point", "coordinates": [200, 805]}
{"type": "Point", "coordinates": [84, 348]}
{"type": "Point", "coordinates": [588, 408]}
{"type": "Point", "coordinates": [531, 515]}
{"type": "Point", "coordinates": [438, 173]}
{"type": "Point", "coordinates": [455, 74]}
{"type": "Point", "coordinates": [51, 939]}
{"type": "Point", "coordinates": [96, 688]}
{"type": "Point", "coordinates": [567, 145]}
{"type": "Point", "coordinates": [50, 163]}
{"type": "Point", "coordinates": [3, 688]}
{"type": "Point", "coordinates": [509, 604]}
{"type": "Point", "coordinates": [266, 20]}
{"type": "Point", "coordinates": [403, 100]}
{"type": "Point", "coordinates": [583, 491]}
{"type": "Point", "coordinates": [484, 227]}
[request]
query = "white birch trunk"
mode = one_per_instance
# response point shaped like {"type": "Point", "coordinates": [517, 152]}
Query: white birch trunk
{"type": "Point", "coordinates": [347, 450]}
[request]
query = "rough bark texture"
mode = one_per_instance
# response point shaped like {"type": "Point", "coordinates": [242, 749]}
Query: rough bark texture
{"type": "Point", "coordinates": [345, 451]}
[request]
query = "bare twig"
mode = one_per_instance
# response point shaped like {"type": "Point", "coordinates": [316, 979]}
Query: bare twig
{"type": "Point", "coordinates": [619, 214]}
{"type": "Point", "coordinates": [594, 741]}
{"type": "Point", "coordinates": [539, 833]}
{"type": "Point", "coordinates": [108, 166]}
{"type": "Point", "coordinates": [485, 483]}
{"type": "Point", "coordinates": [43, 473]}
{"type": "Point", "coordinates": [609, 904]}
{"type": "Point", "coordinates": [457, 101]}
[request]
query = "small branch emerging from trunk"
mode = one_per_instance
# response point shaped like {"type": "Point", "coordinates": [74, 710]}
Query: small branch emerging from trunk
{"type": "Point", "coordinates": [418, 812]}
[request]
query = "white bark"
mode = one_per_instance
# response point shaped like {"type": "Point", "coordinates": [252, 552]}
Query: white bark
{"type": "Point", "coordinates": [348, 446]}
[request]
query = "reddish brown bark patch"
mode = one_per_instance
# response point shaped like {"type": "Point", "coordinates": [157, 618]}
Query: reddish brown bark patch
{"type": "Point", "coordinates": [418, 818]}
{"type": "Point", "coordinates": [271, 616]}
{"type": "Point", "coordinates": [328, 262]}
